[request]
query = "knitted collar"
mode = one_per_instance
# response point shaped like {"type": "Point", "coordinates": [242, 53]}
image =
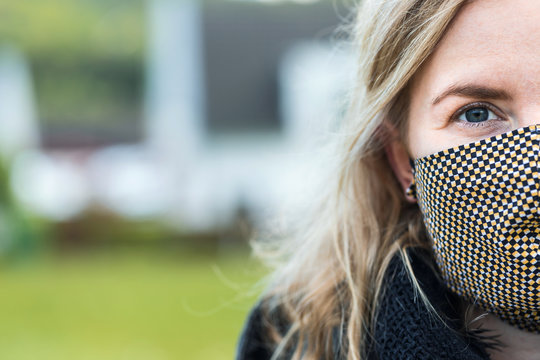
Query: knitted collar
{"type": "Point", "coordinates": [407, 329]}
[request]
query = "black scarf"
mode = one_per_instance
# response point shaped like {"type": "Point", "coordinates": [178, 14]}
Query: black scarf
{"type": "Point", "coordinates": [405, 328]}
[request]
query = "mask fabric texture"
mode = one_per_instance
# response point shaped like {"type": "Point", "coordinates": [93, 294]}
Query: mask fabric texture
{"type": "Point", "coordinates": [480, 203]}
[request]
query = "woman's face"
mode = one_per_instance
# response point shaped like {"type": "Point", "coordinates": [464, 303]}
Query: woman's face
{"type": "Point", "coordinates": [482, 80]}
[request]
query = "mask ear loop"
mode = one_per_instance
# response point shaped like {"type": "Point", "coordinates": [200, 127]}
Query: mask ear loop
{"type": "Point", "coordinates": [411, 190]}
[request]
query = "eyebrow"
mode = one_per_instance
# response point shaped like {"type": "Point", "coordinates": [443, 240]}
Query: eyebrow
{"type": "Point", "coordinates": [473, 91]}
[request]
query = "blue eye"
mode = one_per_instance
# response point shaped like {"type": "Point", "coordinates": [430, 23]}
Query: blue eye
{"type": "Point", "coordinates": [477, 114]}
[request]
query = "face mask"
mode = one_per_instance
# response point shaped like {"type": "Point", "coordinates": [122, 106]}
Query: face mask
{"type": "Point", "coordinates": [481, 204]}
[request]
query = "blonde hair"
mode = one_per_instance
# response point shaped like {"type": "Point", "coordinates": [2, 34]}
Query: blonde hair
{"type": "Point", "coordinates": [335, 265]}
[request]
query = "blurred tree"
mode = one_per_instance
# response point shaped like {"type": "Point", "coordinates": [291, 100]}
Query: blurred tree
{"type": "Point", "coordinates": [19, 233]}
{"type": "Point", "coordinates": [87, 62]}
{"type": "Point", "coordinates": [74, 29]}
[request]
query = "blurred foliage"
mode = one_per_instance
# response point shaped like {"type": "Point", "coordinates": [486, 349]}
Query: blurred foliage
{"type": "Point", "coordinates": [90, 96]}
{"type": "Point", "coordinates": [98, 229]}
{"type": "Point", "coordinates": [20, 233]}
{"type": "Point", "coordinates": [126, 306]}
{"type": "Point", "coordinates": [87, 60]}
{"type": "Point", "coordinates": [74, 29]}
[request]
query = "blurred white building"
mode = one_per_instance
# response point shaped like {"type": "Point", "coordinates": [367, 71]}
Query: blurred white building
{"type": "Point", "coordinates": [184, 171]}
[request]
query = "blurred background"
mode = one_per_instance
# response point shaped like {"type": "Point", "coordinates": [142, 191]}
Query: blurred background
{"type": "Point", "coordinates": [142, 144]}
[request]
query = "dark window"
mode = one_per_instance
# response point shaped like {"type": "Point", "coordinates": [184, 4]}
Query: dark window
{"type": "Point", "coordinates": [244, 43]}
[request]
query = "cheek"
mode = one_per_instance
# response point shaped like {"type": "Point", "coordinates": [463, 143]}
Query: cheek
{"type": "Point", "coordinates": [429, 131]}
{"type": "Point", "coordinates": [424, 140]}
{"type": "Point", "coordinates": [420, 139]}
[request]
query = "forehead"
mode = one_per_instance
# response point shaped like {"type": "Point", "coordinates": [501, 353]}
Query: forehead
{"type": "Point", "coordinates": [495, 42]}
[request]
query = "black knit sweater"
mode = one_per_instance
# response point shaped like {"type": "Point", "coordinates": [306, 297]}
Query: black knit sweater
{"type": "Point", "coordinates": [405, 328]}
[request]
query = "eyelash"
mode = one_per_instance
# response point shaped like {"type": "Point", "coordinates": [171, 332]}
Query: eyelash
{"type": "Point", "coordinates": [462, 110]}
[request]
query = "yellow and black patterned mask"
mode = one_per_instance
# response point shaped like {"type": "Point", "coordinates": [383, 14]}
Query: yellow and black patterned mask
{"type": "Point", "coordinates": [480, 203]}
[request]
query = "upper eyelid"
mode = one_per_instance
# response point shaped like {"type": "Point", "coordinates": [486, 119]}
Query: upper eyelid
{"type": "Point", "coordinates": [461, 110]}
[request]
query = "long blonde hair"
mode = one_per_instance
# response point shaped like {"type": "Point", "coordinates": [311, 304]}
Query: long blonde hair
{"type": "Point", "coordinates": [334, 267]}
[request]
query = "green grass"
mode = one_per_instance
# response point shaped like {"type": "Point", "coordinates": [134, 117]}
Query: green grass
{"type": "Point", "coordinates": [125, 307]}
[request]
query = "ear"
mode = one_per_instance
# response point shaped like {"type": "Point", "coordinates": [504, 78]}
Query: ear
{"type": "Point", "coordinates": [398, 157]}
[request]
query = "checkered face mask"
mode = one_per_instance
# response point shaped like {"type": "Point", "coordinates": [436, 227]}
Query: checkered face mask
{"type": "Point", "coordinates": [480, 203]}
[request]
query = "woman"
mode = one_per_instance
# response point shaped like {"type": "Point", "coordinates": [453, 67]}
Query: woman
{"type": "Point", "coordinates": [427, 247]}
